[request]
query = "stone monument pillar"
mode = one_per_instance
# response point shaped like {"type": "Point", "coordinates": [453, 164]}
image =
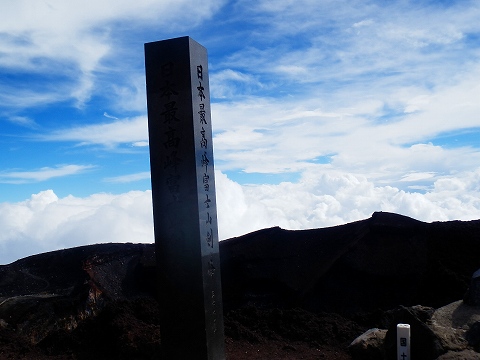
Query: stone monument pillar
{"type": "Point", "coordinates": [184, 207]}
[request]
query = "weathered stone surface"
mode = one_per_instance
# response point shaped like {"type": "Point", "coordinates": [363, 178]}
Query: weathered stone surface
{"type": "Point", "coordinates": [473, 336]}
{"type": "Point", "coordinates": [425, 344]}
{"type": "Point", "coordinates": [452, 322]}
{"type": "Point", "coordinates": [460, 355]}
{"type": "Point", "coordinates": [453, 328]}
{"type": "Point", "coordinates": [369, 345]}
{"type": "Point", "coordinates": [457, 315]}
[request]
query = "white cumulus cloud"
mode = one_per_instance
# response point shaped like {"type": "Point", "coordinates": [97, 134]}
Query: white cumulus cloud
{"type": "Point", "coordinates": [45, 222]}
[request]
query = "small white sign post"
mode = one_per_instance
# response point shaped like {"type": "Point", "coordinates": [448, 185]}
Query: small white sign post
{"type": "Point", "coordinates": [403, 342]}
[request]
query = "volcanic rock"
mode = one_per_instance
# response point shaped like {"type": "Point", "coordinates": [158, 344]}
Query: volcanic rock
{"type": "Point", "coordinates": [342, 280]}
{"type": "Point", "coordinates": [460, 355]}
{"type": "Point", "coordinates": [369, 345]}
{"type": "Point", "coordinates": [378, 263]}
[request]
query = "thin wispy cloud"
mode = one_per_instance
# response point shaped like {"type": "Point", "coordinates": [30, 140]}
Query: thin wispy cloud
{"type": "Point", "coordinates": [129, 178]}
{"type": "Point", "coordinates": [108, 116]}
{"type": "Point", "coordinates": [74, 40]}
{"type": "Point", "coordinates": [109, 134]}
{"type": "Point", "coordinates": [42, 174]}
{"type": "Point", "coordinates": [23, 121]}
{"type": "Point", "coordinates": [17, 98]}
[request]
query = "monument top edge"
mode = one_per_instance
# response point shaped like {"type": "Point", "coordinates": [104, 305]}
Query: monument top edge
{"type": "Point", "coordinates": [177, 39]}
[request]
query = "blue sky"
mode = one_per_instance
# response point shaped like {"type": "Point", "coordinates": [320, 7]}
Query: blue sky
{"type": "Point", "coordinates": [323, 112]}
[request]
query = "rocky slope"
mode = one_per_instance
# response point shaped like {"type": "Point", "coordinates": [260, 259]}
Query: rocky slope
{"type": "Point", "coordinates": [287, 294]}
{"type": "Point", "coordinates": [380, 262]}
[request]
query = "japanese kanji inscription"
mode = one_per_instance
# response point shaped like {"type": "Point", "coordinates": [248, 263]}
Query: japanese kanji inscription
{"type": "Point", "coordinates": [184, 203]}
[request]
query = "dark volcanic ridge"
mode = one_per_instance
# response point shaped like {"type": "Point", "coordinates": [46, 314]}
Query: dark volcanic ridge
{"type": "Point", "coordinates": [287, 294]}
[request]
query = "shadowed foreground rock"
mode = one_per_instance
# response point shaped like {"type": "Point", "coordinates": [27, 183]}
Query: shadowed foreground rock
{"type": "Point", "coordinates": [287, 294]}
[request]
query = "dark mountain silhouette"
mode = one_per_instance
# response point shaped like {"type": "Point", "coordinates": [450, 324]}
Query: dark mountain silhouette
{"type": "Point", "coordinates": [286, 293]}
{"type": "Point", "coordinates": [380, 262]}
